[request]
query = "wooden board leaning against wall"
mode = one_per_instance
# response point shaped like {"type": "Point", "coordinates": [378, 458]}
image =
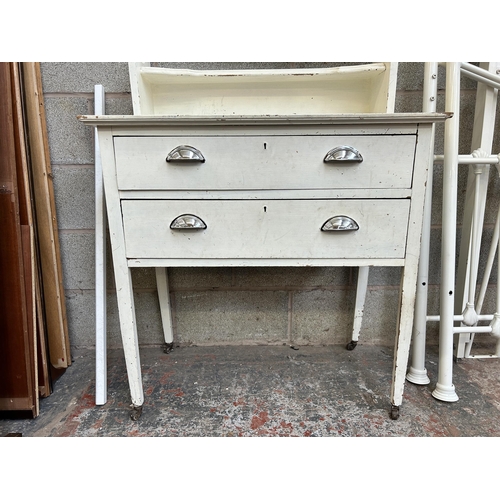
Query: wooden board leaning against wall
{"type": "Point", "coordinates": [18, 380]}
{"type": "Point", "coordinates": [34, 342]}
{"type": "Point", "coordinates": [46, 220]}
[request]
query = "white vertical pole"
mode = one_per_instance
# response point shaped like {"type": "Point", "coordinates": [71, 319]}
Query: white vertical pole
{"type": "Point", "coordinates": [100, 264]}
{"type": "Point", "coordinates": [417, 374]}
{"type": "Point", "coordinates": [445, 390]}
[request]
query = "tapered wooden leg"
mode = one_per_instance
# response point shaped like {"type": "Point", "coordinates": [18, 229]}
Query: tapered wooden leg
{"type": "Point", "coordinates": [165, 309]}
{"type": "Point", "coordinates": [403, 337]}
{"type": "Point", "coordinates": [128, 326]}
{"type": "Point", "coordinates": [359, 306]}
{"type": "Point", "coordinates": [123, 278]}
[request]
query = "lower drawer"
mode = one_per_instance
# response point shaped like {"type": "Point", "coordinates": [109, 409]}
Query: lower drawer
{"type": "Point", "coordinates": [255, 229]}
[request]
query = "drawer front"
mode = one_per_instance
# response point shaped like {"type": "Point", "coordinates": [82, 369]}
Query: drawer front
{"type": "Point", "coordinates": [251, 229]}
{"type": "Point", "coordinates": [260, 162]}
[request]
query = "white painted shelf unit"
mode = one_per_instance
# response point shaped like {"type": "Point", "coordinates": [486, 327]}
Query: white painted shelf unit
{"type": "Point", "coordinates": [367, 88]}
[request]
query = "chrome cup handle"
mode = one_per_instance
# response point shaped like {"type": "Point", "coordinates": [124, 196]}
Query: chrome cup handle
{"type": "Point", "coordinates": [343, 154]}
{"type": "Point", "coordinates": [185, 154]}
{"type": "Point", "coordinates": [340, 223]}
{"type": "Point", "coordinates": [187, 221]}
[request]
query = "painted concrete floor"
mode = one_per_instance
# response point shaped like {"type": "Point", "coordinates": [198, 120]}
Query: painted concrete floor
{"type": "Point", "coordinates": [265, 391]}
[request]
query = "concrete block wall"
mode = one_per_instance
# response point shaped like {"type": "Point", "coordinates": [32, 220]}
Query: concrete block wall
{"type": "Point", "coordinates": [223, 305]}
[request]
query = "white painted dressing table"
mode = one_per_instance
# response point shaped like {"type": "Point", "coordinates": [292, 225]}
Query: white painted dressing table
{"type": "Point", "coordinates": [318, 190]}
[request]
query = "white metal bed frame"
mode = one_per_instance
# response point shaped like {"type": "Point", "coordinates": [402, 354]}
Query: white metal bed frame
{"type": "Point", "coordinates": [458, 290]}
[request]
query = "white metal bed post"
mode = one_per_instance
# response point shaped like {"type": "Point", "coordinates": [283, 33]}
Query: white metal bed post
{"type": "Point", "coordinates": [417, 373]}
{"type": "Point", "coordinates": [100, 263]}
{"type": "Point", "coordinates": [445, 390]}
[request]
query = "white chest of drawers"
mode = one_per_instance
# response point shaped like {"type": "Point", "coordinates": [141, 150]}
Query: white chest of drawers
{"type": "Point", "coordinates": [338, 190]}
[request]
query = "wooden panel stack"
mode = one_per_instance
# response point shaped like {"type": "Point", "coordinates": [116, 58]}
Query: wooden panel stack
{"type": "Point", "coordinates": [18, 380]}
{"type": "Point", "coordinates": [33, 327]}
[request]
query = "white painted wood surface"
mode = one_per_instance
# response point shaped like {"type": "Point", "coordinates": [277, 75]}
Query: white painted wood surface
{"type": "Point", "coordinates": [351, 123]}
{"type": "Point", "coordinates": [357, 88]}
{"type": "Point", "coordinates": [349, 89]}
{"type": "Point", "coordinates": [274, 262]}
{"type": "Point", "coordinates": [405, 236]}
{"type": "Point", "coordinates": [140, 99]}
{"type": "Point", "coordinates": [368, 88]}
{"type": "Point", "coordinates": [423, 161]}
{"type": "Point", "coordinates": [359, 305]}
{"type": "Point", "coordinates": [265, 162]}
{"type": "Point", "coordinates": [274, 194]}
{"type": "Point", "coordinates": [263, 229]}
{"type": "Point", "coordinates": [164, 300]}
{"type": "Point", "coordinates": [123, 278]}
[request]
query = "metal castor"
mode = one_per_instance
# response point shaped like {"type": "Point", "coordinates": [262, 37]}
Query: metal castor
{"type": "Point", "coordinates": [394, 412]}
{"type": "Point", "coordinates": [351, 345]}
{"type": "Point", "coordinates": [136, 412]}
{"type": "Point", "coordinates": [168, 347]}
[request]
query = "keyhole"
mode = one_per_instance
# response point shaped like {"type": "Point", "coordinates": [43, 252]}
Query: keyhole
{"type": "Point", "coordinates": [265, 209]}
{"type": "Point", "coordinates": [265, 145]}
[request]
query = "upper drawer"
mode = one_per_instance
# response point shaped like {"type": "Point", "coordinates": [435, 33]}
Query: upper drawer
{"type": "Point", "coordinates": [265, 162]}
